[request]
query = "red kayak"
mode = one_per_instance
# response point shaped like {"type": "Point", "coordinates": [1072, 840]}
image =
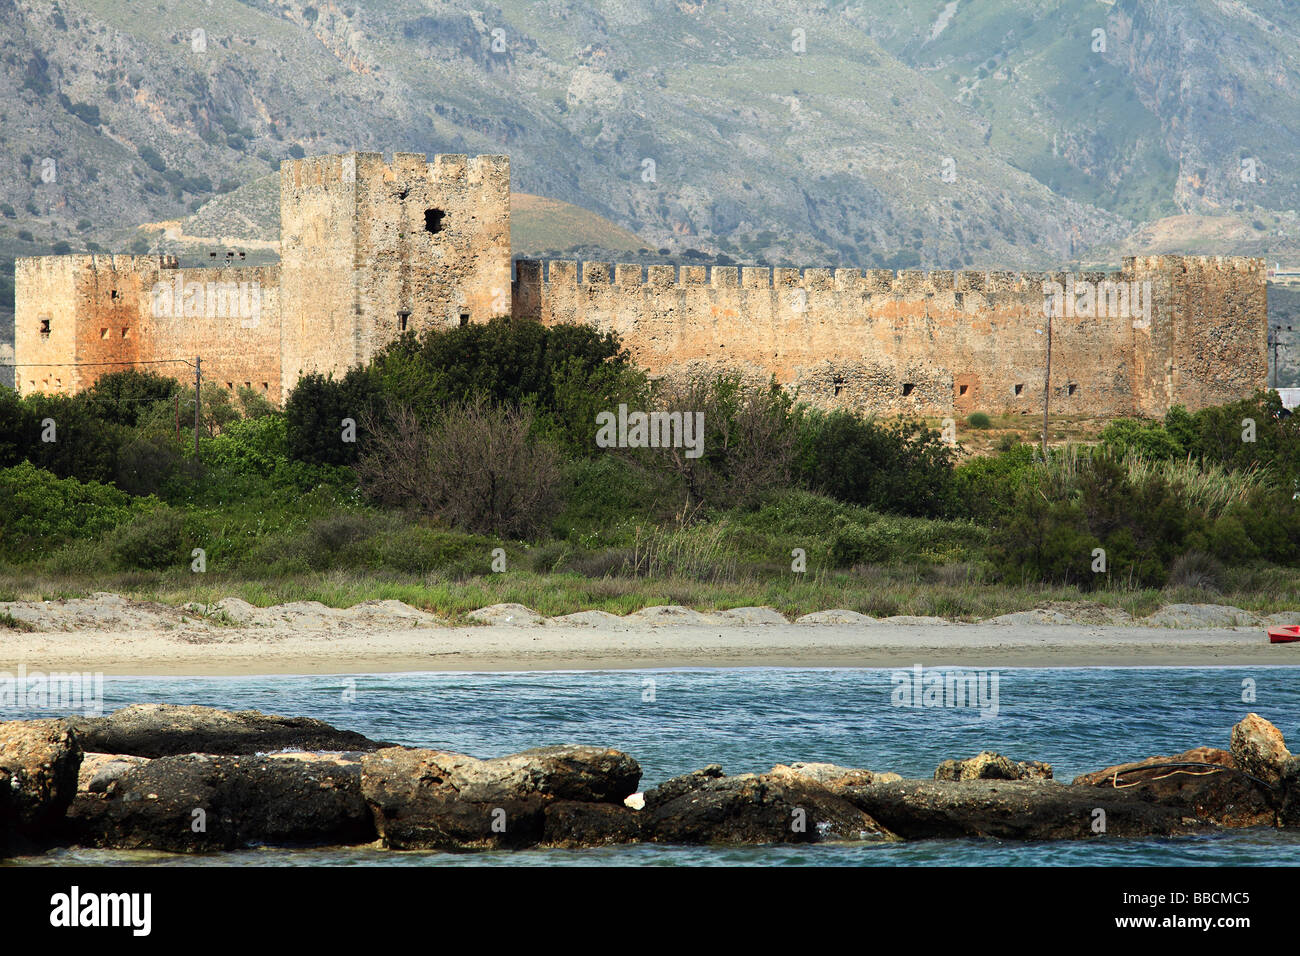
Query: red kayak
{"type": "Point", "coordinates": [1288, 634]}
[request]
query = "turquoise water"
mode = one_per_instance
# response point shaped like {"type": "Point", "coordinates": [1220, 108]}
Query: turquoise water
{"type": "Point", "coordinates": [1077, 719]}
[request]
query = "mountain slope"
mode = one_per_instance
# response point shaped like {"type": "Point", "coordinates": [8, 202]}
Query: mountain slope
{"type": "Point", "coordinates": [904, 134]}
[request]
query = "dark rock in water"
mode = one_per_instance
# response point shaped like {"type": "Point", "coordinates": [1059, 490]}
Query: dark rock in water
{"type": "Point", "coordinates": [1259, 749]}
{"type": "Point", "coordinates": [39, 760]}
{"type": "Point", "coordinates": [1289, 814]}
{"type": "Point", "coordinates": [163, 730]}
{"type": "Point", "coordinates": [1223, 797]}
{"type": "Point", "coordinates": [706, 807]}
{"type": "Point", "coordinates": [679, 786]}
{"type": "Point", "coordinates": [1012, 810]}
{"type": "Point", "coordinates": [571, 824]}
{"type": "Point", "coordinates": [430, 799]}
{"type": "Point", "coordinates": [196, 803]}
{"type": "Point", "coordinates": [988, 765]}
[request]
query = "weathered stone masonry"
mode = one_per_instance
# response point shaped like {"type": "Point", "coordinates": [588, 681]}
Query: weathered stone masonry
{"type": "Point", "coordinates": [372, 247]}
{"type": "Point", "coordinates": [936, 342]}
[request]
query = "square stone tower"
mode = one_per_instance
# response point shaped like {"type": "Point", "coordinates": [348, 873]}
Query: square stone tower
{"type": "Point", "coordinates": [370, 249]}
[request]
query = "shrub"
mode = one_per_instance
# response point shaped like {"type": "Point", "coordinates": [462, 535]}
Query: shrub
{"type": "Point", "coordinates": [153, 541]}
{"type": "Point", "coordinates": [902, 467]}
{"type": "Point", "coordinates": [474, 466]}
{"type": "Point", "coordinates": [564, 373]}
{"type": "Point", "coordinates": [978, 420]}
{"type": "Point", "coordinates": [983, 488]}
{"type": "Point", "coordinates": [316, 409]}
{"type": "Point", "coordinates": [746, 451]}
{"type": "Point", "coordinates": [1197, 571]}
{"type": "Point", "coordinates": [1075, 504]}
{"type": "Point", "coordinates": [147, 463]}
{"type": "Point", "coordinates": [35, 505]}
{"type": "Point", "coordinates": [125, 398]}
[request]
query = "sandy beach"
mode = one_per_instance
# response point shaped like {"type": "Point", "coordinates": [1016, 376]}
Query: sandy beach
{"type": "Point", "coordinates": [110, 635]}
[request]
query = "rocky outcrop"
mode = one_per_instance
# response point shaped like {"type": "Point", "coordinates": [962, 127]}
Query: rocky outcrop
{"type": "Point", "coordinates": [578, 796]}
{"type": "Point", "coordinates": [572, 824]}
{"type": "Point", "coordinates": [39, 760]}
{"type": "Point", "coordinates": [708, 807]}
{"type": "Point", "coordinates": [988, 765]}
{"type": "Point", "coordinates": [197, 803]}
{"type": "Point", "coordinates": [1224, 797]}
{"type": "Point", "coordinates": [429, 799]}
{"type": "Point", "coordinates": [1012, 810]}
{"type": "Point", "coordinates": [164, 730]}
{"type": "Point", "coordinates": [827, 775]}
{"type": "Point", "coordinates": [1259, 749]}
{"type": "Point", "coordinates": [1289, 812]}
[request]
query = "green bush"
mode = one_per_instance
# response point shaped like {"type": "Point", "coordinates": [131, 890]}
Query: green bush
{"type": "Point", "coordinates": [1062, 517]}
{"type": "Point", "coordinates": [978, 420]}
{"type": "Point", "coordinates": [902, 467]}
{"type": "Point", "coordinates": [153, 541]}
{"type": "Point", "coordinates": [125, 398]}
{"type": "Point", "coordinates": [38, 508]}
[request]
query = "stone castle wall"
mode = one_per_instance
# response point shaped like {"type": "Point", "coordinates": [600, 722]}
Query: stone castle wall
{"type": "Point", "coordinates": [373, 247]}
{"type": "Point", "coordinates": [937, 342]}
{"type": "Point", "coordinates": [78, 318]}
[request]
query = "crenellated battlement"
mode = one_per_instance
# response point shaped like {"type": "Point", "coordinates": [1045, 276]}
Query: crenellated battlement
{"type": "Point", "coordinates": [569, 273]}
{"type": "Point", "coordinates": [341, 169]}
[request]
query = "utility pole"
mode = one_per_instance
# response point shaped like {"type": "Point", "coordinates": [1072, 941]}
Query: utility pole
{"type": "Point", "coordinates": [198, 379]}
{"type": "Point", "coordinates": [1047, 381]}
{"type": "Point", "coordinates": [1274, 334]}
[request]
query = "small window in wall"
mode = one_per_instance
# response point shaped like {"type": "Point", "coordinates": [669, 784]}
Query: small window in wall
{"type": "Point", "coordinates": [265, 387]}
{"type": "Point", "coordinates": [115, 294]}
{"type": "Point", "coordinates": [248, 385]}
{"type": "Point", "coordinates": [907, 387]}
{"type": "Point", "coordinates": [464, 319]}
{"type": "Point", "coordinates": [1019, 388]}
{"type": "Point", "coordinates": [401, 320]}
{"type": "Point", "coordinates": [961, 389]}
{"type": "Point", "coordinates": [126, 332]}
{"type": "Point", "coordinates": [103, 333]}
{"type": "Point", "coordinates": [230, 385]}
{"type": "Point", "coordinates": [838, 384]}
{"type": "Point", "coordinates": [1071, 389]}
{"type": "Point", "coordinates": [45, 327]}
{"type": "Point", "coordinates": [433, 221]}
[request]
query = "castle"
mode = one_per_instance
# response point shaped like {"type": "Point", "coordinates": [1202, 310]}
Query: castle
{"type": "Point", "coordinates": [371, 248]}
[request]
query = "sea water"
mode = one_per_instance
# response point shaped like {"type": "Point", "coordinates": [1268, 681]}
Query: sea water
{"type": "Point", "coordinates": [748, 719]}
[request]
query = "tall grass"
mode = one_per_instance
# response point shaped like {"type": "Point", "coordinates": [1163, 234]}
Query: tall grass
{"type": "Point", "coordinates": [1208, 487]}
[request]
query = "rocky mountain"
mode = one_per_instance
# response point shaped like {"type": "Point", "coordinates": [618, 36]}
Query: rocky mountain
{"type": "Point", "coordinates": [909, 133]}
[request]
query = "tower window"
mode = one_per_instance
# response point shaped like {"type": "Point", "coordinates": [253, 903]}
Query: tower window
{"type": "Point", "coordinates": [907, 387]}
{"type": "Point", "coordinates": [103, 333]}
{"type": "Point", "coordinates": [126, 333]}
{"type": "Point", "coordinates": [464, 319]}
{"type": "Point", "coordinates": [838, 383]}
{"type": "Point", "coordinates": [961, 389]}
{"type": "Point", "coordinates": [45, 327]}
{"type": "Point", "coordinates": [433, 220]}
{"type": "Point", "coordinates": [1071, 389]}
{"type": "Point", "coordinates": [1019, 388]}
{"type": "Point", "coordinates": [401, 320]}
{"type": "Point", "coordinates": [115, 294]}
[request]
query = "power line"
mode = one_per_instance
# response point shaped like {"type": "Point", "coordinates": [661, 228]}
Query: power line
{"type": "Point", "coordinates": [92, 364]}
